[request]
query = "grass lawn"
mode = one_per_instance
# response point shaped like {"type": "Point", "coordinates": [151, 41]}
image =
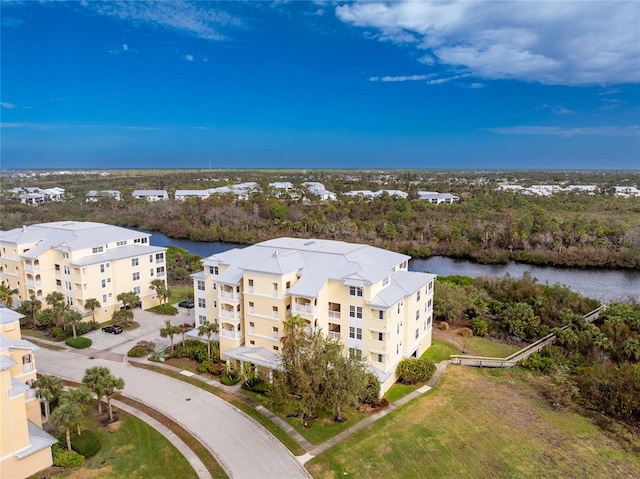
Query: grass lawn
{"type": "Point", "coordinates": [47, 345]}
{"type": "Point", "coordinates": [130, 449]}
{"type": "Point", "coordinates": [479, 423]}
{"type": "Point", "coordinates": [489, 347]}
{"type": "Point", "coordinates": [440, 350]}
{"type": "Point", "coordinates": [398, 391]}
{"type": "Point", "coordinates": [178, 293]}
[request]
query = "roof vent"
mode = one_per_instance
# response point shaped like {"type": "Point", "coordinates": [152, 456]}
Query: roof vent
{"type": "Point", "coordinates": [275, 253]}
{"type": "Point", "coordinates": [24, 228]}
{"type": "Point", "coordinates": [309, 243]}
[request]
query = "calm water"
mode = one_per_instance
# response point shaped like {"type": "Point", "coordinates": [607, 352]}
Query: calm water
{"type": "Point", "coordinates": [605, 285]}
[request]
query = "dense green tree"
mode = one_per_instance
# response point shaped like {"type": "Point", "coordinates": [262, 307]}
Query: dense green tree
{"type": "Point", "coordinates": [68, 415]}
{"type": "Point", "coordinates": [58, 306]}
{"type": "Point", "coordinates": [208, 329]}
{"type": "Point", "coordinates": [7, 294]}
{"type": "Point", "coordinates": [31, 307]}
{"type": "Point", "coordinates": [92, 304]}
{"type": "Point", "coordinates": [48, 389]}
{"type": "Point", "coordinates": [161, 289]}
{"type": "Point", "coordinates": [169, 331]}
{"type": "Point", "coordinates": [94, 380]}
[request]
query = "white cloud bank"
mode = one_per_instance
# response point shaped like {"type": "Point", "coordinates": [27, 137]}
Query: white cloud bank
{"type": "Point", "coordinates": [553, 42]}
{"type": "Point", "coordinates": [633, 130]}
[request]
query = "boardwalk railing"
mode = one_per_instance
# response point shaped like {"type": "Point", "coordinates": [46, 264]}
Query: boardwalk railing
{"type": "Point", "coordinates": [524, 353]}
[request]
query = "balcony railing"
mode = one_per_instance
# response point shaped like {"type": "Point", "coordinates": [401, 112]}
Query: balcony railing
{"type": "Point", "coordinates": [334, 314]}
{"type": "Point", "coordinates": [229, 295]}
{"type": "Point", "coordinates": [229, 314]}
{"type": "Point", "coordinates": [30, 393]}
{"type": "Point", "coordinates": [274, 293]}
{"type": "Point", "coordinates": [27, 367]}
{"type": "Point", "coordinates": [231, 334]}
{"type": "Point", "coordinates": [335, 335]}
{"type": "Point", "coordinates": [305, 308]}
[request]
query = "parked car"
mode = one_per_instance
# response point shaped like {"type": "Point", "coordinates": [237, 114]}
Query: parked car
{"type": "Point", "coordinates": [186, 303]}
{"type": "Point", "coordinates": [112, 329]}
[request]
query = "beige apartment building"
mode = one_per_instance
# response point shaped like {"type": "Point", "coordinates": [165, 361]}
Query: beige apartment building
{"type": "Point", "coordinates": [24, 447]}
{"type": "Point", "coordinates": [82, 260]}
{"type": "Point", "coordinates": [360, 295]}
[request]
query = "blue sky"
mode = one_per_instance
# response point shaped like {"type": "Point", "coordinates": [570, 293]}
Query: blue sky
{"type": "Point", "coordinates": [403, 84]}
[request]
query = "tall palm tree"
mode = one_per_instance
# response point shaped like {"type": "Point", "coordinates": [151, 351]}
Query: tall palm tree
{"type": "Point", "coordinates": [160, 287]}
{"type": "Point", "coordinates": [130, 300]}
{"type": "Point", "coordinates": [32, 306]}
{"type": "Point", "coordinates": [111, 386]}
{"type": "Point", "coordinates": [72, 318]}
{"type": "Point", "coordinates": [7, 294]}
{"type": "Point", "coordinates": [48, 388]}
{"type": "Point", "coordinates": [93, 379]}
{"type": "Point", "coordinates": [169, 330]}
{"type": "Point", "coordinates": [68, 414]}
{"type": "Point", "coordinates": [92, 304]}
{"type": "Point", "coordinates": [58, 305]}
{"type": "Point", "coordinates": [80, 396]}
{"type": "Point", "coordinates": [208, 329]}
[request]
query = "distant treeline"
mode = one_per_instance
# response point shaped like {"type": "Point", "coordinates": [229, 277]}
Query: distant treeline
{"type": "Point", "coordinates": [487, 226]}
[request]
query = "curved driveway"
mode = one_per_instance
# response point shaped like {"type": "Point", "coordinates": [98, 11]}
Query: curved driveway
{"type": "Point", "coordinates": [243, 448]}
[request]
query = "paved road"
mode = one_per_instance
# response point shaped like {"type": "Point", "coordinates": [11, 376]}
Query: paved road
{"type": "Point", "coordinates": [242, 446]}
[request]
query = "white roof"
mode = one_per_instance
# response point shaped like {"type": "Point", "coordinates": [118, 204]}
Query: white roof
{"type": "Point", "coordinates": [150, 193]}
{"type": "Point", "coordinates": [8, 316]}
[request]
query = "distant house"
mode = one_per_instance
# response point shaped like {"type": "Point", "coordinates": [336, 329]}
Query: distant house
{"type": "Point", "coordinates": [626, 191]}
{"type": "Point", "coordinates": [32, 198]}
{"type": "Point", "coordinates": [151, 195]}
{"type": "Point", "coordinates": [590, 189]}
{"type": "Point", "coordinates": [182, 195]}
{"type": "Point", "coordinates": [437, 198]}
{"type": "Point", "coordinates": [53, 194]}
{"type": "Point", "coordinates": [514, 188]}
{"type": "Point", "coordinates": [94, 195]}
{"type": "Point", "coordinates": [33, 195]}
{"type": "Point", "coordinates": [368, 194]}
{"type": "Point", "coordinates": [318, 189]}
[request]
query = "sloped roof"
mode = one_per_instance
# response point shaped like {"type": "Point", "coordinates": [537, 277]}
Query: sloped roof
{"type": "Point", "coordinates": [8, 316]}
{"type": "Point", "coordinates": [38, 440]}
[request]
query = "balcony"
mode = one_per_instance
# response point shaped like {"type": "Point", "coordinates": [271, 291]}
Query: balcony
{"type": "Point", "coordinates": [231, 334]}
{"type": "Point", "coordinates": [334, 314]}
{"type": "Point", "coordinates": [27, 367]}
{"type": "Point", "coordinates": [335, 335]}
{"type": "Point", "coordinates": [30, 394]}
{"type": "Point", "coordinates": [28, 267]}
{"type": "Point", "coordinates": [305, 308]}
{"type": "Point", "coordinates": [274, 293]}
{"type": "Point", "coordinates": [230, 314]}
{"type": "Point", "coordinates": [229, 295]}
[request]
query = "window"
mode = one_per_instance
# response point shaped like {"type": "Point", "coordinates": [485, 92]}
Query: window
{"type": "Point", "coordinates": [429, 320]}
{"type": "Point", "coordinates": [104, 283]}
{"type": "Point", "coordinates": [377, 357]}
{"type": "Point", "coordinates": [102, 268]}
{"type": "Point", "coordinates": [355, 353]}
{"type": "Point", "coordinates": [288, 285]}
{"type": "Point", "coordinates": [202, 303]}
{"type": "Point", "coordinates": [216, 270]}
{"type": "Point", "coordinates": [355, 333]}
{"type": "Point", "coordinates": [417, 314]}
{"type": "Point", "coordinates": [429, 303]}
{"type": "Point", "coordinates": [250, 285]}
{"type": "Point", "coordinates": [57, 267]}
{"type": "Point", "coordinates": [65, 254]}
{"type": "Point", "coordinates": [252, 342]}
{"type": "Point", "coordinates": [200, 285]}
{"type": "Point", "coordinates": [274, 312]}
{"type": "Point", "coordinates": [68, 285]}
{"type": "Point", "coordinates": [425, 325]}
{"type": "Point", "coordinates": [355, 312]}
{"type": "Point", "coordinates": [67, 270]}
{"type": "Point", "coordinates": [274, 289]}
{"type": "Point", "coordinates": [151, 272]}
{"type": "Point", "coordinates": [159, 256]}
{"type": "Point", "coordinates": [399, 306]}
{"type": "Point", "coordinates": [275, 333]}
{"type": "Point", "coordinates": [58, 282]}
{"type": "Point", "coordinates": [160, 271]}
{"type": "Point", "coordinates": [417, 333]}
{"type": "Point", "coordinates": [210, 269]}
{"type": "Point", "coordinates": [252, 327]}
{"type": "Point", "coordinates": [121, 243]}
{"type": "Point", "coordinates": [136, 289]}
{"type": "Point", "coordinates": [398, 328]}
{"type": "Point", "coordinates": [431, 285]}
{"type": "Point", "coordinates": [251, 307]}
{"type": "Point", "coordinates": [355, 291]}
{"type": "Point", "coordinates": [215, 304]}
{"type": "Point", "coordinates": [276, 348]}
{"type": "Point", "coordinates": [136, 276]}
{"type": "Point", "coordinates": [418, 296]}
{"type": "Point", "coordinates": [380, 314]}
{"type": "Point", "coordinates": [111, 295]}
{"type": "Point", "coordinates": [104, 298]}
{"type": "Point", "coordinates": [97, 249]}
{"type": "Point", "coordinates": [202, 319]}
{"type": "Point", "coordinates": [380, 336]}
{"type": "Point", "coordinates": [215, 286]}
{"type": "Point", "coordinates": [70, 301]}
{"type": "Point", "coordinates": [135, 262]}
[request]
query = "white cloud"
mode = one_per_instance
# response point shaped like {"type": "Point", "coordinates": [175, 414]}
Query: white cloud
{"type": "Point", "coordinates": [125, 47]}
{"type": "Point", "coordinates": [189, 58]}
{"type": "Point", "coordinates": [7, 105]}
{"type": "Point", "coordinates": [475, 85]}
{"type": "Point", "coordinates": [195, 18]}
{"type": "Point", "coordinates": [633, 130]}
{"type": "Point", "coordinates": [560, 42]}
{"type": "Point", "coordinates": [400, 78]}
{"type": "Point", "coordinates": [556, 109]}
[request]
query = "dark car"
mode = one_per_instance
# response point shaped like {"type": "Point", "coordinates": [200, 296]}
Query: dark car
{"type": "Point", "coordinates": [186, 303]}
{"type": "Point", "coordinates": [112, 329]}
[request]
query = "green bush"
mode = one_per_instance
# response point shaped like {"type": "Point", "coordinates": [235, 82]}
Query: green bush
{"type": "Point", "coordinates": [82, 328]}
{"type": "Point", "coordinates": [58, 333]}
{"type": "Point", "coordinates": [165, 309]}
{"type": "Point", "coordinates": [538, 362]}
{"type": "Point", "coordinates": [412, 370]}
{"type": "Point", "coordinates": [141, 349]}
{"type": "Point", "coordinates": [229, 379]}
{"type": "Point", "coordinates": [78, 343]}
{"type": "Point", "coordinates": [480, 327]}
{"type": "Point", "coordinates": [372, 389]}
{"type": "Point", "coordinates": [87, 443]}
{"type": "Point", "coordinates": [192, 349]}
{"type": "Point", "coordinates": [62, 457]}
{"type": "Point", "coordinates": [256, 385]}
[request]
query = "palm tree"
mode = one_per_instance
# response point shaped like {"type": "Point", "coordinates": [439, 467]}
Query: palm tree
{"type": "Point", "coordinates": [68, 414]}
{"type": "Point", "coordinates": [111, 386]}
{"type": "Point", "coordinates": [80, 396]}
{"type": "Point", "coordinates": [92, 304]}
{"type": "Point", "coordinates": [7, 294]}
{"type": "Point", "coordinates": [130, 300]}
{"type": "Point", "coordinates": [160, 287]}
{"type": "Point", "coordinates": [93, 379]}
{"type": "Point", "coordinates": [32, 306]}
{"type": "Point", "coordinates": [208, 329]}
{"type": "Point", "coordinates": [48, 388]}
{"type": "Point", "coordinates": [58, 305]}
{"type": "Point", "coordinates": [72, 318]}
{"type": "Point", "coordinates": [169, 330]}
{"type": "Point", "coordinates": [631, 349]}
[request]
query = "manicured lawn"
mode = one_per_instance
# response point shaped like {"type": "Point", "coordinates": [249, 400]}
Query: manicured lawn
{"type": "Point", "coordinates": [398, 391]}
{"type": "Point", "coordinates": [130, 449]}
{"type": "Point", "coordinates": [489, 347]}
{"type": "Point", "coordinates": [178, 293]}
{"type": "Point", "coordinates": [440, 350]}
{"type": "Point", "coordinates": [47, 345]}
{"type": "Point", "coordinates": [479, 423]}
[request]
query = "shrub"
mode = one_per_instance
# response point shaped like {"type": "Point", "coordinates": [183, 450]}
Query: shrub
{"type": "Point", "coordinates": [141, 349]}
{"type": "Point", "coordinates": [192, 349]}
{"type": "Point", "coordinates": [444, 325]}
{"type": "Point", "coordinates": [538, 362]}
{"type": "Point", "coordinates": [165, 309]}
{"type": "Point", "coordinates": [480, 327]}
{"type": "Point", "coordinates": [65, 458]}
{"type": "Point", "coordinates": [381, 403]}
{"type": "Point", "coordinates": [230, 378]}
{"type": "Point", "coordinates": [82, 328]}
{"type": "Point", "coordinates": [372, 389]}
{"type": "Point", "coordinates": [78, 343]}
{"type": "Point", "coordinates": [256, 385]}
{"type": "Point", "coordinates": [412, 370]}
{"type": "Point", "coordinates": [58, 333]}
{"type": "Point", "coordinates": [87, 443]}
{"type": "Point", "coordinates": [465, 332]}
